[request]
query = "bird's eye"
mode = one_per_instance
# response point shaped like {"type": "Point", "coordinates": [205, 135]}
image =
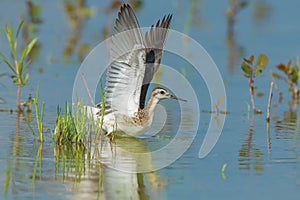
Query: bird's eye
{"type": "Point", "coordinates": [162, 92]}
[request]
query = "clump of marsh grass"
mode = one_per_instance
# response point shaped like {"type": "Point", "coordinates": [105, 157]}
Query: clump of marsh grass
{"type": "Point", "coordinates": [76, 127]}
{"type": "Point", "coordinates": [18, 65]}
{"type": "Point", "coordinates": [73, 138]}
{"type": "Point", "coordinates": [75, 130]}
{"type": "Point", "coordinates": [65, 131]}
{"type": "Point", "coordinates": [252, 70]}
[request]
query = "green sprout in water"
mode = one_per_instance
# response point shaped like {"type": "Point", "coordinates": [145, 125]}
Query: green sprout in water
{"type": "Point", "coordinates": [223, 171]}
{"type": "Point", "coordinates": [39, 117]}
{"type": "Point", "coordinates": [251, 71]}
{"type": "Point", "coordinates": [18, 66]}
{"type": "Point", "coordinates": [293, 75]}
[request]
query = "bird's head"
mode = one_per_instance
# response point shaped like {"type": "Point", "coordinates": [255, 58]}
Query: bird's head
{"type": "Point", "coordinates": [161, 93]}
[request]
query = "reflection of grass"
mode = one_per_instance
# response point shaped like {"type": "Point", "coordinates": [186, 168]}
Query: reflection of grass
{"type": "Point", "coordinates": [8, 175]}
{"type": "Point", "coordinates": [70, 136]}
{"type": "Point", "coordinates": [37, 163]}
{"type": "Point", "coordinates": [100, 184]}
{"type": "Point", "coordinates": [70, 162]}
{"type": "Point", "coordinates": [1, 99]}
{"type": "Point", "coordinates": [73, 137]}
{"type": "Point", "coordinates": [249, 156]}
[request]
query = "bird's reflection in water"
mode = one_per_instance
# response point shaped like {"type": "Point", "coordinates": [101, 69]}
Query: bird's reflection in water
{"type": "Point", "coordinates": [124, 158]}
{"type": "Point", "coordinates": [114, 171]}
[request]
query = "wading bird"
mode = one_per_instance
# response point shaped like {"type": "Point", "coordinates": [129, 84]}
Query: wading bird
{"type": "Point", "coordinates": [134, 62]}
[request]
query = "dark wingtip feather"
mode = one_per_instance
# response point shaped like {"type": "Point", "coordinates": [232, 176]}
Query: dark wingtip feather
{"type": "Point", "coordinates": [126, 19]}
{"type": "Point", "coordinates": [125, 8]}
{"type": "Point", "coordinates": [165, 22]}
{"type": "Point", "coordinates": [157, 23]}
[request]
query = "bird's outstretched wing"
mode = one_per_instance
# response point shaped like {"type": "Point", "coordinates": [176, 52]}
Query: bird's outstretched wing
{"type": "Point", "coordinates": [125, 75]}
{"type": "Point", "coordinates": [154, 43]}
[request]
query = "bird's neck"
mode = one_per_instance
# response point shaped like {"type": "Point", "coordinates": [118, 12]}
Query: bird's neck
{"type": "Point", "coordinates": [150, 106]}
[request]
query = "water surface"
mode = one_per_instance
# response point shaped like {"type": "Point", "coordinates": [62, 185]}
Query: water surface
{"type": "Point", "coordinates": [262, 162]}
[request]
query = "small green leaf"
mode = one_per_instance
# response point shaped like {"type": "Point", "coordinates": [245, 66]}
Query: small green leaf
{"type": "Point", "coordinates": [42, 112]}
{"type": "Point", "coordinates": [19, 28]}
{"type": "Point", "coordinates": [294, 76]}
{"type": "Point", "coordinates": [257, 72]}
{"type": "Point", "coordinates": [246, 69]}
{"type": "Point", "coordinates": [11, 40]}
{"type": "Point", "coordinates": [27, 51]}
{"type": "Point", "coordinates": [262, 61]}
{"type": "Point", "coordinates": [25, 79]}
{"type": "Point", "coordinates": [8, 63]}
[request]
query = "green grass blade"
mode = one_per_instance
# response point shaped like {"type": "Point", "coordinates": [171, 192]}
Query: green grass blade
{"type": "Point", "coordinates": [30, 127]}
{"type": "Point", "coordinates": [294, 75]}
{"type": "Point", "coordinates": [35, 102]}
{"type": "Point", "coordinates": [27, 51]}
{"type": "Point", "coordinates": [102, 99]}
{"type": "Point", "coordinates": [102, 106]}
{"type": "Point", "coordinates": [25, 78]}
{"type": "Point", "coordinates": [42, 112]}
{"type": "Point", "coordinates": [8, 63]}
{"type": "Point", "coordinates": [19, 28]}
{"type": "Point", "coordinates": [11, 40]}
{"type": "Point", "coordinates": [246, 69]}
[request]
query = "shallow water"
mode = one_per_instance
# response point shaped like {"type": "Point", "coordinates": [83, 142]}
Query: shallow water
{"type": "Point", "coordinates": [262, 162]}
